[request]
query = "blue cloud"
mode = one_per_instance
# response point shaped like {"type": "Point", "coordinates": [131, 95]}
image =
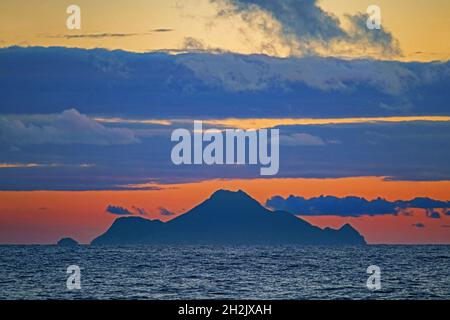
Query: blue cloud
{"type": "Point", "coordinates": [304, 18]}
{"type": "Point", "coordinates": [68, 127]}
{"type": "Point", "coordinates": [434, 214]}
{"type": "Point", "coordinates": [352, 206]}
{"type": "Point", "coordinates": [165, 212]}
{"type": "Point", "coordinates": [418, 225]}
{"type": "Point", "coordinates": [216, 85]}
{"type": "Point", "coordinates": [399, 151]}
{"type": "Point", "coordinates": [125, 211]}
{"type": "Point", "coordinates": [117, 210]}
{"type": "Point", "coordinates": [140, 211]}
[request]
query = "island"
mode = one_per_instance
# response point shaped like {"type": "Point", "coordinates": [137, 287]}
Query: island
{"type": "Point", "coordinates": [227, 217]}
{"type": "Point", "coordinates": [67, 242]}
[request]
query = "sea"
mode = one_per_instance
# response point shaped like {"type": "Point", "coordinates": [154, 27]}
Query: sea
{"type": "Point", "coordinates": [224, 272]}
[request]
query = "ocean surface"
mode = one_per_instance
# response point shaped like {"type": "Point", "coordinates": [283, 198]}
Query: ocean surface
{"type": "Point", "coordinates": [225, 272]}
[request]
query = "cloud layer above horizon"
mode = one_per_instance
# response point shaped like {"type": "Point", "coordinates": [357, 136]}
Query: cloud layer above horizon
{"type": "Point", "coordinates": [160, 85]}
{"type": "Point", "coordinates": [62, 108]}
{"type": "Point", "coordinates": [68, 127]}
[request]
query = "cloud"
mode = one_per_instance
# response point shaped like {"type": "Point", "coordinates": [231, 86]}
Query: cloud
{"type": "Point", "coordinates": [68, 127]}
{"type": "Point", "coordinates": [377, 39]}
{"type": "Point", "coordinates": [407, 212]}
{"type": "Point", "coordinates": [220, 87]}
{"type": "Point", "coordinates": [303, 18]}
{"type": "Point", "coordinates": [405, 156]}
{"type": "Point", "coordinates": [258, 73]}
{"type": "Point", "coordinates": [193, 45]}
{"type": "Point", "coordinates": [301, 139]}
{"type": "Point", "coordinates": [162, 30]}
{"type": "Point", "coordinates": [95, 35]}
{"type": "Point", "coordinates": [232, 85]}
{"type": "Point", "coordinates": [351, 206]}
{"type": "Point", "coordinates": [24, 165]}
{"type": "Point", "coordinates": [165, 212]}
{"type": "Point", "coordinates": [433, 214]}
{"type": "Point", "coordinates": [306, 28]}
{"type": "Point", "coordinates": [125, 211]}
{"type": "Point", "coordinates": [43, 165]}
{"type": "Point", "coordinates": [140, 211]}
{"type": "Point", "coordinates": [118, 210]}
{"type": "Point", "coordinates": [418, 225]}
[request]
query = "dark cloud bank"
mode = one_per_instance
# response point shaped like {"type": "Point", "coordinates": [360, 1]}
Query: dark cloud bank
{"type": "Point", "coordinates": [117, 210]}
{"type": "Point", "coordinates": [353, 206]}
{"type": "Point", "coordinates": [216, 85]}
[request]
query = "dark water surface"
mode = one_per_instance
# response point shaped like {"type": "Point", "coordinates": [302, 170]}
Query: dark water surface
{"type": "Point", "coordinates": [225, 272]}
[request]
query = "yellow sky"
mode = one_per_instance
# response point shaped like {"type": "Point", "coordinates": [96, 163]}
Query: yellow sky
{"type": "Point", "coordinates": [422, 27]}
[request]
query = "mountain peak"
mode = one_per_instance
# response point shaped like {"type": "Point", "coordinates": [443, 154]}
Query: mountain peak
{"type": "Point", "coordinates": [348, 227]}
{"type": "Point", "coordinates": [238, 198]}
{"type": "Point", "coordinates": [228, 193]}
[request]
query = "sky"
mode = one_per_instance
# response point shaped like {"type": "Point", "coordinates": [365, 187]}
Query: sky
{"type": "Point", "coordinates": [86, 115]}
{"type": "Point", "coordinates": [419, 26]}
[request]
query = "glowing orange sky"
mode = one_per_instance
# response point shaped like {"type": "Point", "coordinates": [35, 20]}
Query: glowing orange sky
{"type": "Point", "coordinates": [265, 123]}
{"type": "Point", "coordinates": [46, 216]}
{"type": "Point", "coordinates": [396, 229]}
